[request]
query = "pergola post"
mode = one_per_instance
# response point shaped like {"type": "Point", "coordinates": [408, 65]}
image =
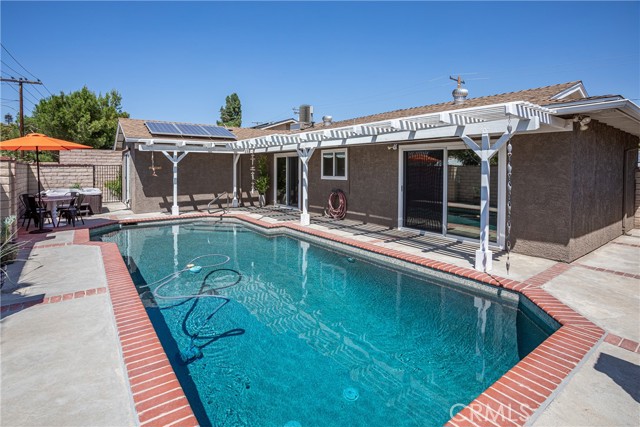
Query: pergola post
{"type": "Point", "coordinates": [236, 157]}
{"type": "Point", "coordinates": [305, 154]}
{"type": "Point", "coordinates": [175, 159]}
{"type": "Point", "coordinates": [484, 260]}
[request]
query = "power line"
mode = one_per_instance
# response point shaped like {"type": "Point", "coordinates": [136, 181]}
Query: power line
{"type": "Point", "coordinates": [21, 83]}
{"type": "Point", "coordinates": [32, 95]}
{"type": "Point", "coordinates": [18, 73]}
{"type": "Point", "coordinates": [18, 62]}
{"type": "Point", "coordinates": [45, 86]}
{"type": "Point", "coordinates": [9, 106]}
{"type": "Point", "coordinates": [24, 68]}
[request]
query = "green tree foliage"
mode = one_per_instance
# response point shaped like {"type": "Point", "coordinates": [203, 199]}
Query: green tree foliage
{"type": "Point", "coordinates": [231, 113]}
{"type": "Point", "coordinates": [262, 181]}
{"type": "Point", "coordinates": [80, 116]}
{"type": "Point", "coordinates": [469, 158]}
{"type": "Point", "coordinates": [12, 131]}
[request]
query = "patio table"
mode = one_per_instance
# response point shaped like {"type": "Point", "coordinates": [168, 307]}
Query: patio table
{"type": "Point", "coordinates": [52, 201]}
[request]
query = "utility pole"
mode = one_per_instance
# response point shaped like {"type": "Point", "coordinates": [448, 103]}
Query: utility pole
{"type": "Point", "coordinates": [21, 82]}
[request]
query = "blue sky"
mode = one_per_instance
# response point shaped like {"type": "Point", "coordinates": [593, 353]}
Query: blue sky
{"type": "Point", "coordinates": [178, 61]}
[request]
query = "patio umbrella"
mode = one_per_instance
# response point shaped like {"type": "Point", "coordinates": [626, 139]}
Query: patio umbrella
{"type": "Point", "coordinates": [38, 142]}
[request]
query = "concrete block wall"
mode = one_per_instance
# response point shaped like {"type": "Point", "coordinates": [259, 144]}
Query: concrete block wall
{"type": "Point", "coordinates": [14, 181]}
{"type": "Point", "coordinates": [53, 175]}
{"type": "Point", "coordinates": [90, 157]}
{"type": "Point", "coordinates": [464, 184]}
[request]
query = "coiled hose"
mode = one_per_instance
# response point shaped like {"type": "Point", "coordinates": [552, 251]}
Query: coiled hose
{"type": "Point", "coordinates": [337, 197]}
{"type": "Point", "coordinates": [193, 350]}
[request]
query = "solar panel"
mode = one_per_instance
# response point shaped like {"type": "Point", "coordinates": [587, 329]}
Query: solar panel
{"type": "Point", "coordinates": [162, 128]}
{"type": "Point", "coordinates": [191, 130]}
{"type": "Point", "coordinates": [218, 132]}
{"type": "Point", "coordinates": [184, 129]}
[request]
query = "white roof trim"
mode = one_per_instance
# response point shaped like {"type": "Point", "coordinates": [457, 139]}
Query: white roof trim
{"type": "Point", "coordinates": [470, 121]}
{"type": "Point", "coordinates": [578, 87]}
{"type": "Point", "coordinates": [622, 114]}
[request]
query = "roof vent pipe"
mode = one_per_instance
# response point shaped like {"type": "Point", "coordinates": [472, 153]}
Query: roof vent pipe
{"type": "Point", "coordinates": [459, 93]}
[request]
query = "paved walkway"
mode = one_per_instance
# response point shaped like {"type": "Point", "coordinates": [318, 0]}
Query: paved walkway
{"type": "Point", "coordinates": [62, 362]}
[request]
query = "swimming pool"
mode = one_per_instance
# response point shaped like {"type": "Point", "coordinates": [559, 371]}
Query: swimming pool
{"type": "Point", "coordinates": [312, 336]}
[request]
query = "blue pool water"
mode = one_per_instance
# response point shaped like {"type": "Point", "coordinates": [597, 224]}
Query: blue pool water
{"type": "Point", "coordinates": [313, 337]}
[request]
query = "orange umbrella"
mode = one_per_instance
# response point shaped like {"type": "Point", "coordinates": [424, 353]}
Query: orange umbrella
{"type": "Point", "coordinates": [36, 142]}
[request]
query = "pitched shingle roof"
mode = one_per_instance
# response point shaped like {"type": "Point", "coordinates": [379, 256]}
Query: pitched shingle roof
{"type": "Point", "coordinates": [135, 128]}
{"type": "Point", "coordinates": [540, 96]}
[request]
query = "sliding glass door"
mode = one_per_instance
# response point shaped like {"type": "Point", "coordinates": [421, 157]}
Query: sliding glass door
{"type": "Point", "coordinates": [441, 187]}
{"type": "Point", "coordinates": [463, 195]}
{"type": "Point", "coordinates": [287, 180]}
{"type": "Point", "coordinates": [423, 189]}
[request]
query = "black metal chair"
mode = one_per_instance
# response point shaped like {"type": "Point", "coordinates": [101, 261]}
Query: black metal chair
{"type": "Point", "coordinates": [26, 212]}
{"type": "Point", "coordinates": [84, 208]}
{"type": "Point", "coordinates": [70, 213]}
{"type": "Point", "coordinates": [33, 211]}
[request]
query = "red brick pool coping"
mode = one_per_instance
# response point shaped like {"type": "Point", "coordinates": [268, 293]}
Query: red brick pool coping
{"type": "Point", "coordinates": [158, 396]}
{"type": "Point", "coordinates": [510, 401]}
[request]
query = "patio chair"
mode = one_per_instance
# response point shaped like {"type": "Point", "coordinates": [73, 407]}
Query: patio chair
{"type": "Point", "coordinates": [70, 213]}
{"type": "Point", "coordinates": [69, 194]}
{"type": "Point", "coordinates": [84, 208]}
{"type": "Point", "coordinates": [33, 211]}
{"type": "Point", "coordinates": [25, 209]}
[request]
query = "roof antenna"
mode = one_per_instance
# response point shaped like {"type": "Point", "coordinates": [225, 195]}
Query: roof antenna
{"type": "Point", "coordinates": [459, 93]}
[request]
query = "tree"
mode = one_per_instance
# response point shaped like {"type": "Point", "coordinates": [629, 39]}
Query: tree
{"type": "Point", "coordinates": [8, 118]}
{"type": "Point", "coordinates": [80, 116]}
{"type": "Point", "coordinates": [469, 158]}
{"type": "Point", "coordinates": [231, 113]}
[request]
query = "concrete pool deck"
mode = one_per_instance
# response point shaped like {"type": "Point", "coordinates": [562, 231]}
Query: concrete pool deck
{"type": "Point", "coordinates": [604, 286]}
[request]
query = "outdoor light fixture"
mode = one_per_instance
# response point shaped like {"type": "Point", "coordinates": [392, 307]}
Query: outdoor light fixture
{"type": "Point", "coordinates": [583, 120]}
{"type": "Point", "coordinates": [393, 147]}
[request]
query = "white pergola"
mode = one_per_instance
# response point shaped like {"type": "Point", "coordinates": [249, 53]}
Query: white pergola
{"type": "Point", "coordinates": [467, 124]}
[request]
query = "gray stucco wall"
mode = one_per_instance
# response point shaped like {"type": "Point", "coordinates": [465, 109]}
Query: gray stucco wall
{"type": "Point", "coordinates": [541, 196]}
{"type": "Point", "coordinates": [372, 187]}
{"type": "Point", "coordinates": [568, 191]}
{"type": "Point", "coordinates": [200, 178]}
{"type": "Point", "coordinates": [599, 175]}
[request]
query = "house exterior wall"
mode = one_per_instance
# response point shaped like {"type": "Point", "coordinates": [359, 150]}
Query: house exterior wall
{"type": "Point", "coordinates": [372, 187]}
{"type": "Point", "coordinates": [244, 180]}
{"type": "Point", "coordinates": [201, 177]}
{"type": "Point", "coordinates": [637, 197]}
{"type": "Point", "coordinates": [541, 196]}
{"type": "Point", "coordinates": [600, 180]}
{"type": "Point", "coordinates": [568, 191]}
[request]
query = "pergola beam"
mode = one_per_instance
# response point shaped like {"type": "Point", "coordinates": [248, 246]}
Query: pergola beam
{"type": "Point", "coordinates": [449, 131]}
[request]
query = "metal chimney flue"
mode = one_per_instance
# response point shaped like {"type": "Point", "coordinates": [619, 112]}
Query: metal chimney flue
{"type": "Point", "coordinates": [306, 115]}
{"type": "Point", "coordinates": [459, 94]}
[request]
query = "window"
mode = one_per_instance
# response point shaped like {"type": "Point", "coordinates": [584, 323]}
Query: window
{"type": "Point", "coordinates": [334, 164]}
